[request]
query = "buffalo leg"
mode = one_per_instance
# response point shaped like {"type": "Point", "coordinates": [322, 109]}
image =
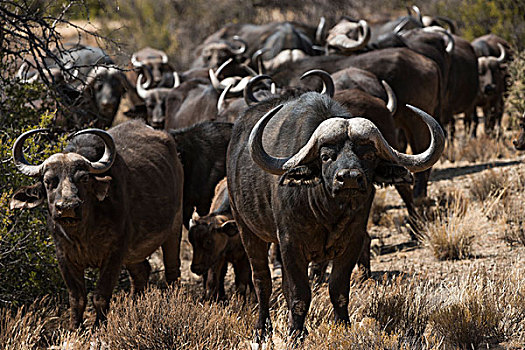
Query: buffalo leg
{"type": "Point", "coordinates": [243, 278]}
{"type": "Point", "coordinates": [74, 279]}
{"type": "Point", "coordinates": [257, 251]}
{"type": "Point", "coordinates": [139, 275]}
{"type": "Point", "coordinates": [295, 270]}
{"type": "Point", "coordinates": [339, 285]}
{"type": "Point", "coordinates": [364, 258]}
{"type": "Point", "coordinates": [406, 194]}
{"type": "Point", "coordinates": [107, 280]}
{"type": "Point", "coordinates": [171, 255]}
{"type": "Point", "coordinates": [213, 283]}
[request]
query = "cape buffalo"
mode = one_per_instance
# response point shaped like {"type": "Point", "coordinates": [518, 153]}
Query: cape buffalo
{"type": "Point", "coordinates": [110, 205]}
{"type": "Point", "coordinates": [316, 200]}
{"type": "Point", "coordinates": [216, 242]}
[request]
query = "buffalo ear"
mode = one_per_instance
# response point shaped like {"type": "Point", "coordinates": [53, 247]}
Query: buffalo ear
{"type": "Point", "coordinates": [138, 111]}
{"type": "Point", "coordinates": [229, 227]}
{"type": "Point", "coordinates": [302, 175]}
{"type": "Point", "coordinates": [28, 197]}
{"type": "Point", "coordinates": [102, 187]}
{"type": "Point", "coordinates": [392, 174]}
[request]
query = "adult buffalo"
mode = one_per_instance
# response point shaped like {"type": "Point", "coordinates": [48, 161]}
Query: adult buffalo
{"type": "Point", "coordinates": [314, 203]}
{"type": "Point", "coordinates": [154, 64]}
{"type": "Point", "coordinates": [274, 38]}
{"type": "Point", "coordinates": [493, 54]}
{"type": "Point", "coordinates": [414, 77]}
{"type": "Point", "coordinates": [111, 204]}
{"type": "Point", "coordinates": [202, 150]}
{"type": "Point", "coordinates": [92, 85]}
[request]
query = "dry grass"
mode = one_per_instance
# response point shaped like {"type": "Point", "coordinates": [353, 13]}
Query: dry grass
{"type": "Point", "coordinates": [408, 312]}
{"type": "Point", "coordinates": [480, 149]}
{"type": "Point", "coordinates": [451, 234]}
{"type": "Point", "coordinates": [489, 183]}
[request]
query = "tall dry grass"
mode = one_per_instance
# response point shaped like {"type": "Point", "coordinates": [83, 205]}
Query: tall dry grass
{"type": "Point", "coordinates": [408, 312]}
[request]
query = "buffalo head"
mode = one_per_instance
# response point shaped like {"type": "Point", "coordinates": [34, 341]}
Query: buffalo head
{"type": "Point", "coordinates": [490, 72]}
{"type": "Point", "coordinates": [216, 53]}
{"type": "Point", "coordinates": [155, 64]}
{"type": "Point", "coordinates": [346, 155]}
{"type": "Point", "coordinates": [155, 101]}
{"type": "Point", "coordinates": [349, 36]}
{"type": "Point", "coordinates": [69, 181]}
{"type": "Point", "coordinates": [208, 236]}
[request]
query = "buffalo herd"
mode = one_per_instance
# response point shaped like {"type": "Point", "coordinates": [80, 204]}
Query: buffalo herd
{"type": "Point", "coordinates": [277, 134]}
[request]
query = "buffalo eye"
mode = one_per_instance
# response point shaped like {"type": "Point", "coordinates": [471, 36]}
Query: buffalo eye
{"type": "Point", "coordinates": [51, 182]}
{"type": "Point", "coordinates": [84, 178]}
{"type": "Point", "coordinates": [327, 154]}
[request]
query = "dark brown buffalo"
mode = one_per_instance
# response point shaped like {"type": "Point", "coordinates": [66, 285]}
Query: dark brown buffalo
{"type": "Point", "coordinates": [414, 77]}
{"type": "Point", "coordinates": [90, 85]}
{"type": "Point", "coordinates": [274, 38]}
{"type": "Point", "coordinates": [216, 242]}
{"type": "Point", "coordinates": [154, 64]}
{"type": "Point", "coordinates": [311, 192]}
{"type": "Point", "coordinates": [493, 55]}
{"type": "Point", "coordinates": [111, 204]}
{"type": "Point", "coordinates": [202, 150]}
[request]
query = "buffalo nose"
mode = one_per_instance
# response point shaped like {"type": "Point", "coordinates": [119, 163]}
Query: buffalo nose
{"type": "Point", "coordinates": [350, 178]}
{"type": "Point", "coordinates": [67, 205]}
{"type": "Point", "coordinates": [489, 88]}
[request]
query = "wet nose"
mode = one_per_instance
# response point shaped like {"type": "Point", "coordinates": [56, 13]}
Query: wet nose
{"type": "Point", "coordinates": [350, 178]}
{"type": "Point", "coordinates": [66, 205]}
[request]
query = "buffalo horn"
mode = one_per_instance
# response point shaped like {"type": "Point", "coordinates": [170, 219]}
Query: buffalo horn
{"type": "Point", "coordinates": [328, 83]}
{"type": "Point", "coordinates": [422, 161]}
{"type": "Point", "coordinates": [257, 60]}
{"type": "Point", "coordinates": [249, 97]}
{"type": "Point", "coordinates": [134, 62]}
{"type": "Point", "coordinates": [320, 30]}
{"type": "Point", "coordinates": [451, 24]}
{"type": "Point", "coordinates": [104, 163]}
{"type": "Point", "coordinates": [18, 155]}
{"type": "Point", "coordinates": [176, 79]}
{"type": "Point", "coordinates": [241, 49]}
{"type": "Point", "coordinates": [502, 54]}
{"type": "Point", "coordinates": [392, 100]}
{"type": "Point", "coordinates": [268, 163]}
{"type": "Point", "coordinates": [220, 103]}
{"type": "Point", "coordinates": [164, 58]}
{"type": "Point", "coordinates": [449, 37]}
{"type": "Point", "coordinates": [141, 90]}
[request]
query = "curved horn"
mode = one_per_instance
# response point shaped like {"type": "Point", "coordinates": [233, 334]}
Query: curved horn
{"type": "Point", "coordinates": [258, 60]}
{"type": "Point", "coordinates": [342, 41]}
{"type": "Point", "coordinates": [134, 62]}
{"type": "Point", "coordinates": [502, 54]}
{"type": "Point", "coordinates": [249, 97]}
{"type": "Point", "coordinates": [320, 30]}
{"type": "Point", "coordinates": [450, 42]}
{"type": "Point", "coordinates": [241, 49]}
{"type": "Point", "coordinates": [164, 58]}
{"type": "Point", "coordinates": [418, 14]}
{"type": "Point", "coordinates": [401, 25]}
{"type": "Point", "coordinates": [266, 162]}
{"type": "Point", "coordinates": [214, 75]}
{"type": "Point", "coordinates": [176, 79]}
{"type": "Point", "coordinates": [141, 90]}
{"type": "Point", "coordinates": [422, 161]}
{"type": "Point", "coordinates": [450, 22]}
{"type": "Point", "coordinates": [328, 83]}
{"type": "Point", "coordinates": [104, 163]}
{"type": "Point", "coordinates": [392, 100]}
{"type": "Point", "coordinates": [18, 155]}
{"type": "Point", "coordinates": [220, 103]}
